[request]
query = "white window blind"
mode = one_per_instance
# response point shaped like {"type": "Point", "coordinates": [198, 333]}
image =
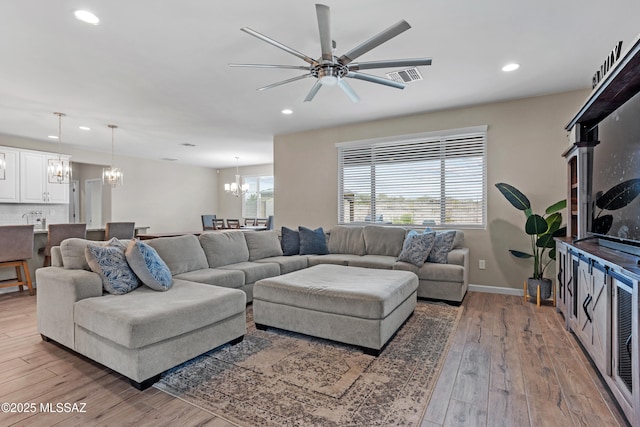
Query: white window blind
{"type": "Point", "coordinates": [433, 179]}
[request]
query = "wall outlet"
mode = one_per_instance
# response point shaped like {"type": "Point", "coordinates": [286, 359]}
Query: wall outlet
{"type": "Point", "coordinates": [481, 264]}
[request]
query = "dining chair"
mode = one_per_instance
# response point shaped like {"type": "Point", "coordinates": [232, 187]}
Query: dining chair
{"type": "Point", "coordinates": [119, 230]}
{"type": "Point", "coordinates": [16, 247]}
{"type": "Point", "coordinates": [233, 223]}
{"type": "Point", "coordinates": [250, 221]}
{"type": "Point", "coordinates": [261, 221]}
{"type": "Point", "coordinates": [269, 223]}
{"type": "Point", "coordinates": [207, 222]}
{"type": "Point", "coordinates": [59, 232]}
{"type": "Point", "coordinates": [218, 224]}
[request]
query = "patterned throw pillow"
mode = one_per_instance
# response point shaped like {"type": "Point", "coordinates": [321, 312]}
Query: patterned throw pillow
{"type": "Point", "coordinates": [442, 247]}
{"type": "Point", "coordinates": [290, 242]}
{"type": "Point", "coordinates": [148, 266]}
{"type": "Point", "coordinates": [110, 263]}
{"type": "Point", "coordinates": [312, 242]}
{"type": "Point", "coordinates": [417, 247]}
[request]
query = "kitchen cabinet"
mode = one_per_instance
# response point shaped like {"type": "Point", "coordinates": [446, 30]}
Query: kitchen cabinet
{"type": "Point", "coordinates": [9, 175]}
{"type": "Point", "coordinates": [34, 185]}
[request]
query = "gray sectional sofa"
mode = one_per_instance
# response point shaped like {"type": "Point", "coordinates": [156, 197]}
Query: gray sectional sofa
{"type": "Point", "coordinates": [145, 332]}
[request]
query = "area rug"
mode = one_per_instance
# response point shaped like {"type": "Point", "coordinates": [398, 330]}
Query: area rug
{"type": "Point", "coordinates": [280, 378]}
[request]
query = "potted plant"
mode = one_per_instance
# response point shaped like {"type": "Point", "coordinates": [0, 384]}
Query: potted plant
{"type": "Point", "coordinates": [541, 229]}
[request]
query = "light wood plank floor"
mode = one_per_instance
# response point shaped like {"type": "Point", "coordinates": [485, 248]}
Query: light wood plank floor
{"type": "Point", "coordinates": [511, 364]}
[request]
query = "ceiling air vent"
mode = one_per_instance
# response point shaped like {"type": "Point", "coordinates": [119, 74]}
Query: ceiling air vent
{"type": "Point", "coordinates": [405, 76]}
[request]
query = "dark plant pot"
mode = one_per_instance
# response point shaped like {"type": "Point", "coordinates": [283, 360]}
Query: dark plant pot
{"type": "Point", "coordinates": [545, 287]}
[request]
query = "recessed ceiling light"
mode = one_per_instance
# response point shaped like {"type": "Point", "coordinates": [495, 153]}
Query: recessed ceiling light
{"type": "Point", "coordinates": [511, 67]}
{"type": "Point", "coordinates": [52, 137]}
{"type": "Point", "coordinates": [84, 127]}
{"type": "Point", "coordinates": [186, 144]}
{"type": "Point", "coordinates": [287, 111]}
{"type": "Point", "coordinates": [86, 16]}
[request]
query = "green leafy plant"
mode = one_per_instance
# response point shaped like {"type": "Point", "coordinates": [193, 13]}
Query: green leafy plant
{"type": "Point", "coordinates": [541, 229]}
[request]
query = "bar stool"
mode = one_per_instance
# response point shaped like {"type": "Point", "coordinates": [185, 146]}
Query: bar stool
{"type": "Point", "coordinates": [119, 230]}
{"type": "Point", "coordinates": [16, 247]}
{"type": "Point", "coordinates": [59, 232]}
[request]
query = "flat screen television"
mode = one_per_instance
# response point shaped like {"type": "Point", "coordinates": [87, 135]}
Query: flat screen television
{"type": "Point", "coordinates": [615, 184]}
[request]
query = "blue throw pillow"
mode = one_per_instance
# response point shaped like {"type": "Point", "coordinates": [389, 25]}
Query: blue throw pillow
{"type": "Point", "coordinates": [416, 248]}
{"type": "Point", "coordinates": [290, 242]}
{"type": "Point", "coordinates": [148, 266]}
{"type": "Point", "coordinates": [110, 263]}
{"type": "Point", "coordinates": [312, 242]}
{"type": "Point", "coordinates": [442, 247]}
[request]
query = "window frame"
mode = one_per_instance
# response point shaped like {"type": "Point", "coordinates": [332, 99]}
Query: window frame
{"type": "Point", "coordinates": [257, 179]}
{"type": "Point", "coordinates": [441, 137]}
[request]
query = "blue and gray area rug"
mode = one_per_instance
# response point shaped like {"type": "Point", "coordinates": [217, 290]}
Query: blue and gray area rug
{"type": "Point", "coordinates": [280, 378]}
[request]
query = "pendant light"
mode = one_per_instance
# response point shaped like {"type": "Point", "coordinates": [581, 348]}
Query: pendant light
{"type": "Point", "coordinates": [235, 188]}
{"type": "Point", "coordinates": [59, 169]}
{"type": "Point", "coordinates": [112, 175]}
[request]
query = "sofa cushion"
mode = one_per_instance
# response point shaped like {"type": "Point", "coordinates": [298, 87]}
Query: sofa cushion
{"type": "Point", "coordinates": [214, 276]}
{"type": "Point", "coordinates": [346, 240]}
{"type": "Point", "coordinates": [110, 263]}
{"type": "Point", "coordinates": [312, 242]}
{"type": "Point", "coordinates": [290, 241]}
{"type": "Point", "coordinates": [148, 266]}
{"type": "Point", "coordinates": [224, 248]}
{"type": "Point", "coordinates": [144, 316]}
{"type": "Point", "coordinates": [383, 240]}
{"type": "Point", "coordinates": [263, 244]}
{"type": "Point", "coordinates": [336, 259]}
{"type": "Point", "coordinates": [254, 271]}
{"type": "Point", "coordinates": [434, 271]}
{"type": "Point", "coordinates": [180, 253]}
{"type": "Point", "coordinates": [72, 251]}
{"type": "Point", "coordinates": [417, 247]}
{"type": "Point", "coordinates": [374, 261]}
{"type": "Point", "coordinates": [442, 246]}
{"type": "Point", "coordinates": [288, 263]}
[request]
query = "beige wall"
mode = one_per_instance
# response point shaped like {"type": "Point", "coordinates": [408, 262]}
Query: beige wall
{"type": "Point", "coordinates": [230, 206]}
{"type": "Point", "coordinates": [165, 196]}
{"type": "Point", "coordinates": [525, 141]}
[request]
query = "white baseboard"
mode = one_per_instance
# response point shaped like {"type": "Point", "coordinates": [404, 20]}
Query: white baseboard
{"type": "Point", "coordinates": [496, 290]}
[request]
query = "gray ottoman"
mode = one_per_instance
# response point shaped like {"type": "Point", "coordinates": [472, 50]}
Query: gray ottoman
{"type": "Point", "coordinates": [353, 305]}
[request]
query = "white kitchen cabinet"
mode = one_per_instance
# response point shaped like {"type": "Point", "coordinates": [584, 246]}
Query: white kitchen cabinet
{"type": "Point", "coordinates": [9, 175]}
{"type": "Point", "coordinates": [34, 186]}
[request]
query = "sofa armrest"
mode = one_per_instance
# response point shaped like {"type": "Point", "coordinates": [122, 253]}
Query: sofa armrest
{"type": "Point", "coordinates": [58, 290]}
{"type": "Point", "coordinates": [460, 256]}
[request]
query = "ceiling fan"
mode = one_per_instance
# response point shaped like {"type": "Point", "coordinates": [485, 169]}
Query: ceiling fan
{"type": "Point", "coordinates": [332, 70]}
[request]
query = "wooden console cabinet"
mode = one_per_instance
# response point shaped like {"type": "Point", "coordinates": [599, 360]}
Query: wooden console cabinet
{"type": "Point", "coordinates": [597, 288]}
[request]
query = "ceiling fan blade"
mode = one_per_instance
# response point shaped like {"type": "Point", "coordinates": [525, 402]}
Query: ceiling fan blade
{"type": "Point", "coordinates": [289, 67]}
{"type": "Point", "coordinates": [279, 45]}
{"type": "Point", "coordinates": [304, 76]}
{"type": "Point", "coordinates": [316, 87]}
{"type": "Point", "coordinates": [375, 79]}
{"type": "Point", "coordinates": [375, 41]}
{"type": "Point", "coordinates": [324, 27]}
{"type": "Point", "coordinates": [392, 63]}
{"type": "Point", "coordinates": [353, 96]}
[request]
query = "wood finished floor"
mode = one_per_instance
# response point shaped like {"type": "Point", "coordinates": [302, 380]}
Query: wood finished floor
{"type": "Point", "coordinates": [511, 364]}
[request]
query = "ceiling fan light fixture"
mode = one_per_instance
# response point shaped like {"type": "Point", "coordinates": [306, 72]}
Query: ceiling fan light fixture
{"type": "Point", "coordinates": [328, 80]}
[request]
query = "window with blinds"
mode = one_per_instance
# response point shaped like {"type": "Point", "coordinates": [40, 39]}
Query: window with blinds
{"type": "Point", "coordinates": [432, 179]}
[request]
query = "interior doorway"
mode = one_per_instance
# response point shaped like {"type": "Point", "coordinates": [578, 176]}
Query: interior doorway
{"type": "Point", "coordinates": [93, 202]}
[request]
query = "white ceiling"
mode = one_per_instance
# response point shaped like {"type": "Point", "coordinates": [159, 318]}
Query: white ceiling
{"type": "Point", "coordinates": [159, 69]}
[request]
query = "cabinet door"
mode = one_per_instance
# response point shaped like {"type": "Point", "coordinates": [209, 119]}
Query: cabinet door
{"type": "Point", "coordinates": [55, 192]}
{"type": "Point", "coordinates": [600, 309]}
{"type": "Point", "coordinates": [9, 175]}
{"type": "Point", "coordinates": [561, 283]}
{"type": "Point", "coordinates": [32, 177]}
{"type": "Point", "coordinates": [583, 291]}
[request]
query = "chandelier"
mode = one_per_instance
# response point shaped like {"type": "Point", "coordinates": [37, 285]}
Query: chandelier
{"type": "Point", "coordinates": [59, 169]}
{"type": "Point", "coordinates": [235, 188]}
{"type": "Point", "coordinates": [112, 175]}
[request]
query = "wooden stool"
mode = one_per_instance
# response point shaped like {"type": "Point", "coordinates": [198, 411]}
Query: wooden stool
{"type": "Point", "coordinates": [16, 247]}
